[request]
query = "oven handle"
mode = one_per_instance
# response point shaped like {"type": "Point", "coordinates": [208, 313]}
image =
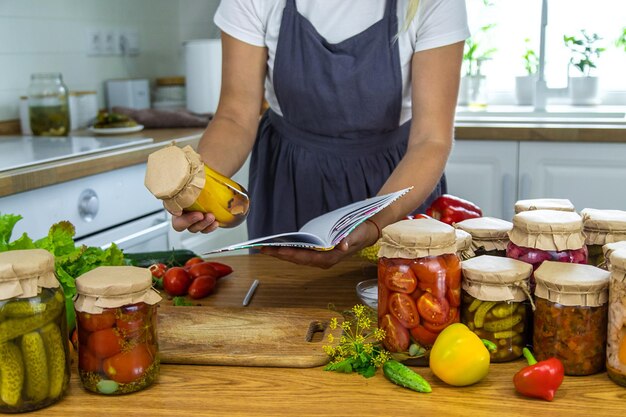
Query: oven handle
{"type": "Point", "coordinates": [152, 231]}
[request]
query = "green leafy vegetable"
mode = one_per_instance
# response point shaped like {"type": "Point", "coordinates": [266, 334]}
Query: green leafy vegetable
{"type": "Point", "coordinates": [181, 301]}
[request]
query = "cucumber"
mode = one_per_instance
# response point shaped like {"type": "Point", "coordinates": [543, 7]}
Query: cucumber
{"type": "Point", "coordinates": [404, 376]}
{"type": "Point", "coordinates": [174, 257]}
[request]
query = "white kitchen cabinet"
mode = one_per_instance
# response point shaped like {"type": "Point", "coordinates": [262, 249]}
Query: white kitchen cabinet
{"type": "Point", "coordinates": [485, 172]}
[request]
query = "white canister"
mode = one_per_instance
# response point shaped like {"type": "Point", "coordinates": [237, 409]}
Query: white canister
{"type": "Point", "coordinates": [203, 70]}
{"type": "Point", "coordinates": [83, 109]}
{"type": "Point", "coordinates": [24, 116]}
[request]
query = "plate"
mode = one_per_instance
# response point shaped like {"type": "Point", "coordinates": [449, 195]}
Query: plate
{"type": "Point", "coordinates": [116, 130]}
{"type": "Point", "coordinates": [368, 292]}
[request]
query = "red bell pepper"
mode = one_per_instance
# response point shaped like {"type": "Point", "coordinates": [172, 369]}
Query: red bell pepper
{"type": "Point", "coordinates": [539, 379]}
{"type": "Point", "coordinates": [451, 209]}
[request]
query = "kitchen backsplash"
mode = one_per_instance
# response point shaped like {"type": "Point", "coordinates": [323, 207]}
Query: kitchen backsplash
{"type": "Point", "coordinates": [52, 36]}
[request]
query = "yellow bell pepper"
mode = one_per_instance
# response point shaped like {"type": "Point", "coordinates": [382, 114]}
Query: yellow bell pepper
{"type": "Point", "coordinates": [459, 357]}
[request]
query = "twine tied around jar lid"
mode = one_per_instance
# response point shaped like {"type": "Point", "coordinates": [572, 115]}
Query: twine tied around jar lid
{"type": "Point", "coordinates": [464, 244]}
{"type": "Point", "coordinates": [112, 287]}
{"type": "Point", "coordinates": [603, 226]}
{"type": "Point", "coordinates": [23, 273]}
{"type": "Point", "coordinates": [489, 233]}
{"type": "Point", "coordinates": [175, 176]}
{"type": "Point", "coordinates": [572, 284]}
{"type": "Point", "coordinates": [548, 230]}
{"type": "Point", "coordinates": [417, 238]}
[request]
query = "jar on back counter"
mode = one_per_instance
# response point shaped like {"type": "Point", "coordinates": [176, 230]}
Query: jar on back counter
{"type": "Point", "coordinates": [170, 93]}
{"type": "Point", "coordinates": [602, 227]}
{"type": "Point", "coordinates": [490, 236]}
{"type": "Point", "coordinates": [547, 235]}
{"type": "Point", "coordinates": [464, 245]}
{"type": "Point", "coordinates": [558, 204]}
{"type": "Point", "coordinates": [34, 354]}
{"type": "Point", "coordinates": [48, 105]}
{"type": "Point", "coordinates": [184, 183]}
{"type": "Point", "coordinates": [419, 286]}
{"type": "Point", "coordinates": [495, 303]}
{"type": "Point", "coordinates": [570, 319]}
{"type": "Point", "coordinates": [616, 334]}
{"type": "Point", "coordinates": [117, 336]}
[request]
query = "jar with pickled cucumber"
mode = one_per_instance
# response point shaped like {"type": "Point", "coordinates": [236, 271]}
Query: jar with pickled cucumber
{"type": "Point", "coordinates": [490, 236]}
{"type": "Point", "coordinates": [495, 303]}
{"type": "Point", "coordinates": [616, 334]}
{"type": "Point", "coordinates": [34, 348]}
{"type": "Point", "coordinates": [602, 227]}
{"type": "Point", "coordinates": [547, 235]}
{"type": "Point", "coordinates": [558, 204]}
{"type": "Point", "coordinates": [570, 320]}
{"type": "Point", "coordinates": [184, 183]}
{"type": "Point", "coordinates": [117, 337]}
{"type": "Point", "coordinates": [464, 245]}
{"type": "Point", "coordinates": [419, 286]}
{"type": "Point", "coordinates": [48, 105]}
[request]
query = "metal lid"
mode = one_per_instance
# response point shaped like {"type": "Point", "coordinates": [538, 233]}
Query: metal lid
{"type": "Point", "coordinates": [603, 226]}
{"type": "Point", "coordinates": [495, 278]}
{"type": "Point", "coordinates": [417, 238]}
{"type": "Point", "coordinates": [560, 204]}
{"type": "Point", "coordinates": [572, 284]}
{"type": "Point", "coordinates": [548, 230]}
{"type": "Point", "coordinates": [24, 272]}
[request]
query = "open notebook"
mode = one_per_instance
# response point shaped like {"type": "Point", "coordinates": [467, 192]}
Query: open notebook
{"type": "Point", "coordinates": [326, 231]}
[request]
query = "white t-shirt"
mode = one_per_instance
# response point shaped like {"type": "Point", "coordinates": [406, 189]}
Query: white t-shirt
{"type": "Point", "coordinates": [257, 22]}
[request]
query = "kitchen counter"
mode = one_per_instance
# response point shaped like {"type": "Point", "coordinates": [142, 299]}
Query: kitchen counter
{"type": "Point", "coordinates": [183, 390]}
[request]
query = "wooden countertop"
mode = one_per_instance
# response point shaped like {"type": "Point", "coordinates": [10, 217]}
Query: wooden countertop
{"type": "Point", "coordinates": [540, 132]}
{"type": "Point", "coordinates": [184, 390]}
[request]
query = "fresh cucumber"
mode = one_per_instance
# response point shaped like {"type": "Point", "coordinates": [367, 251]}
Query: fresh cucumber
{"type": "Point", "coordinates": [174, 257]}
{"type": "Point", "coordinates": [404, 376]}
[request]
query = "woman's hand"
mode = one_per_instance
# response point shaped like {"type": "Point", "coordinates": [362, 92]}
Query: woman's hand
{"type": "Point", "coordinates": [195, 222]}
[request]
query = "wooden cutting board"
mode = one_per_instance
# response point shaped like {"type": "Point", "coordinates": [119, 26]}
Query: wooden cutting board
{"type": "Point", "coordinates": [244, 336]}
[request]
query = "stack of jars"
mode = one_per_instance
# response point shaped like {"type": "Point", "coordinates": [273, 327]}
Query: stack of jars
{"type": "Point", "coordinates": [602, 227]}
{"type": "Point", "coordinates": [489, 235]}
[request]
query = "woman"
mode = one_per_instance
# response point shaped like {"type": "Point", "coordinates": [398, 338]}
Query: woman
{"type": "Point", "coordinates": [360, 104]}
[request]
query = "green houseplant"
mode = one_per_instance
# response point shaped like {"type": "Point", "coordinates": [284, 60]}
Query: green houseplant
{"type": "Point", "coordinates": [525, 84]}
{"type": "Point", "coordinates": [472, 89]}
{"type": "Point", "coordinates": [584, 53]}
{"type": "Point", "coordinates": [621, 40]}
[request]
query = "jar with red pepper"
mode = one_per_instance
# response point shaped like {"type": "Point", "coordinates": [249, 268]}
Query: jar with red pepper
{"type": "Point", "coordinates": [419, 286]}
{"type": "Point", "coordinates": [490, 236]}
{"type": "Point", "coordinates": [116, 323]}
{"type": "Point", "coordinates": [558, 204]}
{"type": "Point", "coordinates": [616, 335]}
{"type": "Point", "coordinates": [570, 320]}
{"type": "Point", "coordinates": [451, 209]}
{"type": "Point", "coordinates": [602, 227]}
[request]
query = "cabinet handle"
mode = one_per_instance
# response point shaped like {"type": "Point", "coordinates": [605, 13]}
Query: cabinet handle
{"type": "Point", "coordinates": [525, 185]}
{"type": "Point", "coordinates": [508, 193]}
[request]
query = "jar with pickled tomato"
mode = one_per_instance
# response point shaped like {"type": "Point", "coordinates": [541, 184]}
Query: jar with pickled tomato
{"type": "Point", "coordinates": [547, 235]}
{"type": "Point", "coordinates": [570, 319]}
{"type": "Point", "coordinates": [464, 245]}
{"type": "Point", "coordinates": [616, 334]}
{"type": "Point", "coordinates": [34, 350]}
{"type": "Point", "coordinates": [602, 227]}
{"type": "Point", "coordinates": [117, 336]}
{"type": "Point", "coordinates": [490, 236]}
{"type": "Point", "coordinates": [495, 303]}
{"type": "Point", "coordinates": [184, 183]}
{"type": "Point", "coordinates": [419, 286]}
{"type": "Point", "coordinates": [558, 204]}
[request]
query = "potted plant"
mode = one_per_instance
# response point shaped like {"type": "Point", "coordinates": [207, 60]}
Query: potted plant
{"type": "Point", "coordinates": [472, 90]}
{"type": "Point", "coordinates": [525, 84]}
{"type": "Point", "coordinates": [621, 41]}
{"type": "Point", "coordinates": [583, 89]}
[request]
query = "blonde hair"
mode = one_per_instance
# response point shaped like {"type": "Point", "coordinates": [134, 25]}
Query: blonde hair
{"type": "Point", "coordinates": [411, 11]}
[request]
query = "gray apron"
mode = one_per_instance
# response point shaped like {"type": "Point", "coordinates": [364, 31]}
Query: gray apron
{"type": "Point", "coordinates": [338, 139]}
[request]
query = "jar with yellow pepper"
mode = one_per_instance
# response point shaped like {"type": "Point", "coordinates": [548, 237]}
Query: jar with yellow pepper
{"type": "Point", "coordinates": [602, 227]}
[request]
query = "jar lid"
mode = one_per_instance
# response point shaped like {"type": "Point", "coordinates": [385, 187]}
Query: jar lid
{"type": "Point", "coordinates": [23, 273]}
{"type": "Point", "coordinates": [548, 230]}
{"type": "Point", "coordinates": [559, 204]}
{"type": "Point", "coordinates": [604, 226]}
{"type": "Point", "coordinates": [114, 286]}
{"type": "Point", "coordinates": [609, 248]}
{"type": "Point", "coordinates": [175, 176]}
{"type": "Point", "coordinates": [617, 265]}
{"type": "Point", "coordinates": [464, 244]}
{"type": "Point", "coordinates": [174, 80]}
{"type": "Point", "coordinates": [495, 278]}
{"type": "Point", "coordinates": [417, 238]}
{"type": "Point", "coordinates": [572, 284]}
{"type": "Point", "coordinates": [487, 232]}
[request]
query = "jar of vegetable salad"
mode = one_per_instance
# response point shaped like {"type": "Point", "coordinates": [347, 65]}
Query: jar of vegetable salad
{"type": "Point", "coordinates": [495, 303]}
{"type": "Point", "coordinates": [570, 321]}
{"type": "Point", "coordinates": [419, 286]}
{"type": "Point", "coordinates": [558, 204]}
{"type": "Point", "coordinates": [489, 235]}
{"type": "Point", "coordinates": [616, 335]}
{"type": "Point", "coordinates": [602, 227]}
{"type": "Point", "coordinates": [34, 350]}
{"type": "Point", "coordinates": [116, 322]}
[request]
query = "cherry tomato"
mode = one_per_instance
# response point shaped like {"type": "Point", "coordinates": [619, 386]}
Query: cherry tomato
{"type": "Point", "coordinates": [437, 288]}
{"type": "Point", "coordinates": [429, 269]}
{"type": "Point", "coordinates": [130, 365]}
{"type": "Point", "coordinates": [202, 269]}
{"type": "Point", "coordinates": [221, 269]}
{"type": "Point", "coordinates": [453, 279]}
{"type": "Point", "coordinates": [400, 278]}
{"type": "Point", "coordinates": [192, 261]}
{"type": "Point", "coordinates": [176, 281]}
{"type": "Point", "coordinates": [396, 337]}
{"type": "Point", "coordinates": [424, 336]}
{"type": "Point", "coordinates": [94, 322]}
{"type": "Point", "coordinates": [105, 343]}
{"type": "Point", "coordinates": [158, 270]}
{"type": "Point", "coordinates": [201, 286]}
{"type": "Point", "coordinates": [130, 325]}
{"type": "Point", "coordinates": [453, 317]}
{"type": "Point", "coordinates": [402, 307]}
{"type": "Point", "coordinates": [383, 298]}
{"type": "Point", "coordinates": [433, 310]}
{"type": "Point", "coordinates": [87, 361]}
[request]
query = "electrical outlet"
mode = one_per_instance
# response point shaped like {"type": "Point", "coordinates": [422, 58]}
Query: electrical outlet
{"type": "Point", "coordinates": [109, 42]}
{"type": "Point", "coordinates": [95, 42]}
{"type": "Point", "coordinates": [129, 42]}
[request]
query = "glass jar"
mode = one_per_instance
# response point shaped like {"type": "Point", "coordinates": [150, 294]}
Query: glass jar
{"type": "Point", "coordinates": [169, 93]}
{"type": "Point", "coordinates": [48, 105]}
{"type": "Point", "coordinates": [489, 235]}
{"type": "Point", "coordinates": [547, 235]}
{"type": "Point", "coordinates": [570, 320]}
{"type": "Point", "coordinates": [616, 334]}
{"type": "Point", "coordinates": [602, 227]}
{"type": "Point", "coordinates": [464, 245]}
{"type": "Point", "coordinates": [34, 350]}
{"type": "Point", "coordinates": [179, 178]}
{"type": "Point", "coordinates": [495, 303]}
{"type": "Point", "coordinates": [116, 321]}
{"type": "Point", "coordinates": [419, 286]}
{"type": "Point", "coordinates": [608, 250]}
{"type": "Point", "coordinates": [558, 204]}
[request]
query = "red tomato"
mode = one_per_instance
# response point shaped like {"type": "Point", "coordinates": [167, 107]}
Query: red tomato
{"type": "Point", "coordinates": [221, 269]}
{"type": "Point", "coordinates": [433, 310]}
{"type": "Point", "coordinates": [176, 281]}
{"type": "Point", "coordinates": [87, 361]}
{"type": "Point", "coordinates": [128, 366]}
{"type": "Point", "coordinates": [94, 322]}
{"type": "Point", "coordinates": [130, 325]}
{"type": "Point", "coordinates": [400, 278]}
{"type": "Point", "coordinates": [396, 337]}
{"type": "Point", "coordinates": [438, 288]}
{"type": "Point", "coordinates": [383, 300]}
{"type": "Point", "coordinates": [429, 269]}
{"type": "Point", "coordinates": [402, 307]}
{"type": "Point", "coordinates": [192, 261]}
{"type": "Point", "coordinates": [453, 280]}
{"type": "Point", "coordinates": [158, 270]}
{"type": "Point", "coordinates": [453, 317]}
{"type": "Point", "coordinates": [202, 269]}
{"type": "Point", "coordinates": [105, 343]}
{"type": "Point", "coordinates": [201, 286]}
{"type": "Point", "coordinates": [423, 336]}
